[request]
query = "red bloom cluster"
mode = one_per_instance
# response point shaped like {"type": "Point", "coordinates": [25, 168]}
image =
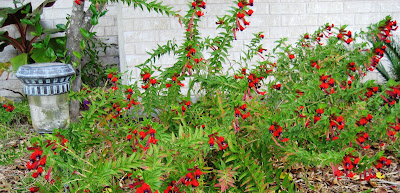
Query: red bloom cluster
{"type": "Point", "coordinates": [362, 137]}
{"type": "Point", "coordinates": [218, 139]}
{"type": "Point", "coordinates": [174, 80]}
{"type": "Point", "coordinates": [395, 127]}
{"type": "Point", "coordinates": [394, 96]}
{"type": "Point", "coordinates": [383, 161]}
{"type": "Point", "coordinates": [238, 113]}
{"type": "Point", "coordinates": [318, 116]}
{"type": "Point", "coordinates": [114, 80]}
{"type": "Point", "coordinates": [199, 4]}
{"type": "Point", "coordinates": [277, 86]}
{"type": "Point", "coordinates": [386, 30]}
{"type": "Point", "coordinates": [242, 4]}
{"type": "Point", "coordinates": [350, 163]}
{"type": "Point", "coordinates": [326, 83]}
{"type": "Point", "coordinates": [190, 179]}
{"type": "Point", "coordinates": [364, 120]}
{"type": "Point", "coordinates": [342, 34]}
{"type": "Point", "coordinates": [276, 131]}
{"type": "Point", "coordinates": [144, 188]}
{"type": "Point", "coordinates": [8, 108]}
{"type": "Point", "coordinates": [130, 99]}
{"type": "Point", "coordinates": [254, 83]}
{"type": "Point", "coordinates": [370, 92]}
{"type": "Point", "coordinates": [36, 162]}
{"type": "Point", "coordinates": [146, 77]}
{"type": "Point", "coordinates": [315, 65]}
{"type": "Point", "coordinates": [335, 124]}
{"type": "Point", "coordinates": [142, 135]}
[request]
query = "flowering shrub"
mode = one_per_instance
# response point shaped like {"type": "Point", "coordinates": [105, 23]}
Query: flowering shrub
{"type": "Point", "coordinates": [306, 104]}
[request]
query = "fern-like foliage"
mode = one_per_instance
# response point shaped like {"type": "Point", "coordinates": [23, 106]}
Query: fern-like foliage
{"type": "Point", "coordinates": [156, 6]}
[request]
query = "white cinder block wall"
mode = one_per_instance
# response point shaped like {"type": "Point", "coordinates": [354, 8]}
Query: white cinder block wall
{"type": "Point", "coordinates": [137, 32]}
{"type": "Point", "coordinates": [141, 31]}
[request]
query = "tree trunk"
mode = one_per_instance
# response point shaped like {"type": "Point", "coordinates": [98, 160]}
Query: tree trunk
{"type": "Point", "coordinates": [79, 19]}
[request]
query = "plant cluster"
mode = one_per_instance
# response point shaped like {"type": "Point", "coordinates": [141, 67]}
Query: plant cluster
{"type": "Point", "coordinates": [302, 104]}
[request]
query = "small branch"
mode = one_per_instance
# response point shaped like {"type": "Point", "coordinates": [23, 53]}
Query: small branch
{"type": "Point", "coordinates": [387, 182]}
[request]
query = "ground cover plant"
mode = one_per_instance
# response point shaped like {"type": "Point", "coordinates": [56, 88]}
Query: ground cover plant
{"type": "Point", "coordinates": [302, 104]}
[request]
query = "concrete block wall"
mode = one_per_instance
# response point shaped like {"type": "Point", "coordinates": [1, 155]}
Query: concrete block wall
{"type": "Point", "coordinates": [141, 31]}
{"type": "Point", "coordinates": [107, 31]}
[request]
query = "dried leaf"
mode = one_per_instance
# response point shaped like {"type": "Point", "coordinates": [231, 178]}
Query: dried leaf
{"type": "Point", "coordinates": [225, 179]}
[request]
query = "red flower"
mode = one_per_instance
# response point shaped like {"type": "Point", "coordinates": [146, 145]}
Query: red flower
{"type": "Point", "coordinates": [338, 173]}
{"type": "Point", "coordinates": [250, 12]}
{"type": "Point", "coordinates": [183, 108]}
{"type": "Point", "coordinates": [39, 170]}
{"type": "Point", "coordinates": [203, 5]}
{"type": "Point", "coordinates": [33, 189]}
{"type": "Point", "coordinates": [42, 161]}
{"type": "Point", "coordinates": [369, 117]}
{"type": "Point", "coordinates": [221, 140]}
{"type": "Point", "coordinates": [153, 140]}
{"type": "Point", "coordinates": [197, 174]}
{"type": "Point", "coordinates": [145, 87]}
{"type": "Point", "coordinates": [285, 140]}
{"type": "Point", "coordinates": [153, 81]}
{"type": "Point", "coordinates": [340, 36]}
{"type": "Point", "coordinates": [199, 13]}
{"type": "Point", "coordinates": [316, 119]}
{"type": "Point", "coordinates": [331, 82]}
{"type": "Point", "coordinates": [142, 135]}
{"type": "Point", "coordinates": [237, 112]}
{"type": "Point", "coordinates": [240, 5]}
{"type": "Point", "coordinates": [129, 137]}
{"type": "Point", "coordinates": [319, 112]}
{"type": "Point", "coordinates": [35, 175]}
{"type": "Point", "coordinates": [146, 76]}
{"type": "Point", "coordinates": [244, 116]}
{"type": "Point", "coordinates": [115, 79]}
{"type": "Point", "coordinates": [152, 132]}
{"type": "Point", "coordinates": [110, 76]}
{"type": "Point", "coordinates": [145, 188]}
{"type": "Point", "coordinates": [195, 183]}
{"type": "Point", "coordinates": [168, 85]}
{"type": "Point", "coordinates": [277, 86]}
{"type": "Point", "coordinates": [324, 85]}
{"type": "Point", "coordinates": [348, 41]}
{"type": "Point", "coordinates": [79, 1]}
{"type": "Point", "coordinates": [291, 56]}
{"type": "Point", "coordinates": [250, 3]}
{"type": "Point", "coordinates": [211, 142]}
{"type": "Point", "coordinates": [240, 15]}
{"type": "Point", "coordinates": [261, 36]}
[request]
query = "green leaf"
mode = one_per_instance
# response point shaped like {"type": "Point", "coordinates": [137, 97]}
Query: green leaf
{"type": "Point", "coordinates": [93, 9]}
{"type": "Point", "coordinates": [38, 45]}
{"type": "Point", "coordinates": [46, 41]}
{"type": "Point", "coordinates": [61, 27]}
{"type": "Point", "coordinates": [26, 21]}
{"type": "Point", "coordinates": [19, 60]}
{"type": "Point", "coordinates": [38, 28]}
{"type": "Point", "coordinates": [42, 55]}
{"type": "Point", "coordinates": [85, 33]}
{"type": "Point", "coordinates": [77, 54]}
{"type": "Point", "coordinates": [83, 45]}
{"type": "Point", "coordinates": [94, 20]}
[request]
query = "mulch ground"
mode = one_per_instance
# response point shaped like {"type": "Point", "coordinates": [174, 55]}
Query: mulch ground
{"type": "Point", "coordinates": [317, 179]}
